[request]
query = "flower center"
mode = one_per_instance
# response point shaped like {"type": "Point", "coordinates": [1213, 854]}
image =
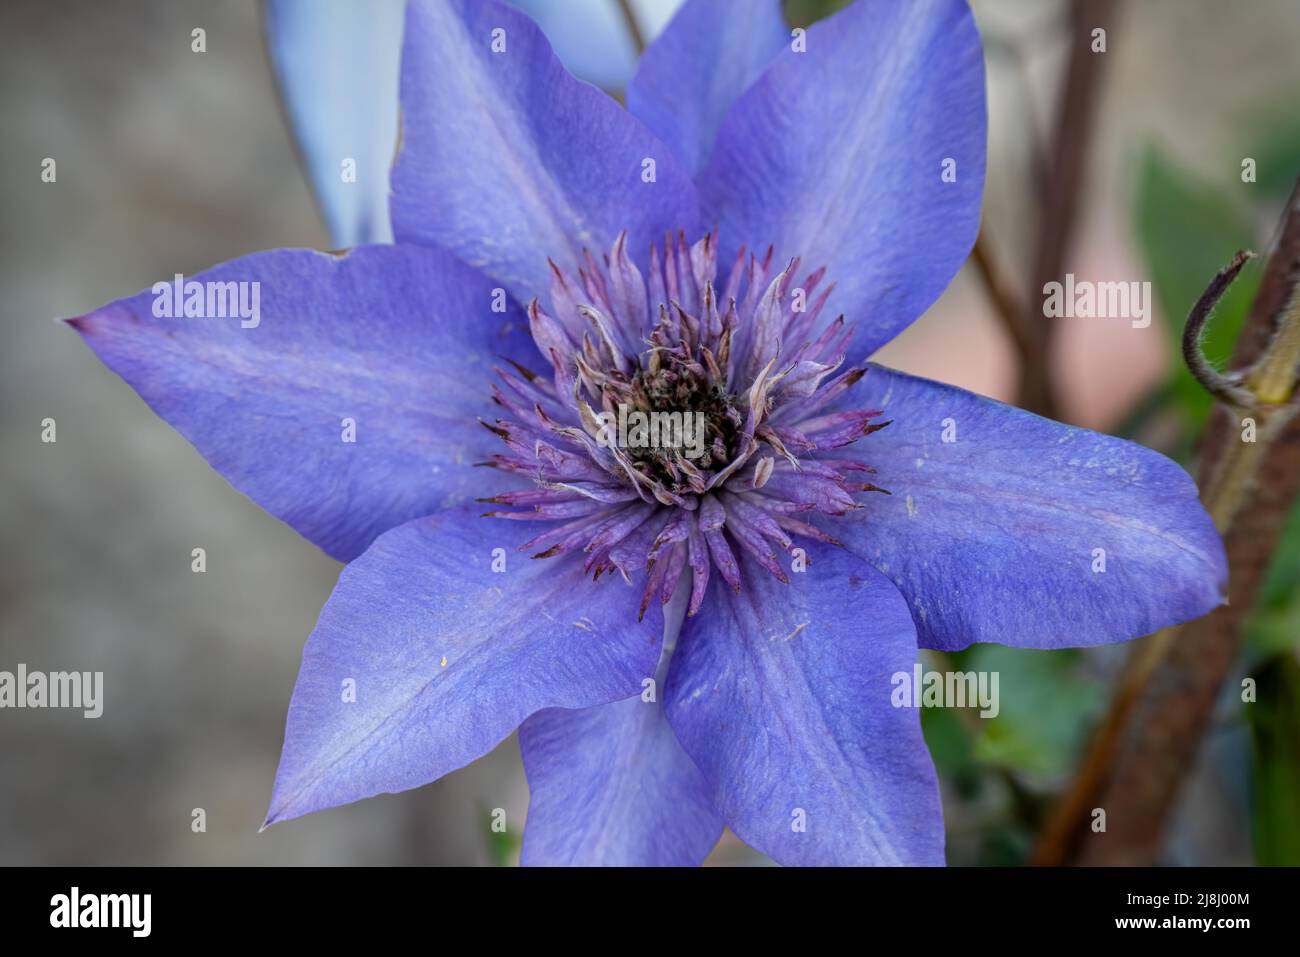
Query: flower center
{"type": "Point", "coordinates": [674, 418]}
{"type": "Point", "coordinates": [681, 425]}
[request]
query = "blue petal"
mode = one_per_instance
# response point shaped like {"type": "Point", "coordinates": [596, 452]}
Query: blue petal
{"type": "Point", "coordinates": [996, 536]}
{"type": "Point", "coordinates": [400, 340]}
{"type": "Point", "coordinates": [837, 155]}
{"type": "Point", "coordinates": [610, 786]}
{"type": "Point", "coordinates": [709, 54]}
{"type": "Point", "coordinates": [337, 66]}
{"type": "Point", "coordinates": [782, 695]}
{"type": "Point", "coordinates": [447, 657]}
{"type": "Point", "coordinates": [507, 159]}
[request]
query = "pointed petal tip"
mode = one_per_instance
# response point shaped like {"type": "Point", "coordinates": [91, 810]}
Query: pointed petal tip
{"type": "Point", "coordinates": [80, 323]}
{"type": "Point", "coordinates": [274, 815]}
{"type": "Point", "coordinates": [279, 813]}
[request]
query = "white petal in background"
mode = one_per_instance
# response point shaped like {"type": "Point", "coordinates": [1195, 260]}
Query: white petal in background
{"type": "Point", "coordinates": [591, 37]}
{"type": "Point", "coordinates": [336, 64]}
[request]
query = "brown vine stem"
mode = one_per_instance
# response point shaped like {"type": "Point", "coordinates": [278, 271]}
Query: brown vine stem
{"type": "Point", "coordinates": [633, 25]}
{"type": "Point", "coordinates": [1066, 166]}
{"type": "Point", "coordinates": [1003, 296]}
{"type": "Point", "coordinates": [1148, 740]}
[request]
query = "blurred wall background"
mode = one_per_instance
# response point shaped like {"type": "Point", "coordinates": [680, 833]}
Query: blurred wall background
{"type": "Point", "coordinates": [169, 161]}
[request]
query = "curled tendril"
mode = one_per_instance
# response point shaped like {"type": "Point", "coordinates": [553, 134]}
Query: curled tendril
{"type": "Point", "coordinates": [1226, 388]}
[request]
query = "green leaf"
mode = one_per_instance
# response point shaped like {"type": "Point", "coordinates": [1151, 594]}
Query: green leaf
{"type": "Point", "coordinates": [950, 747]}
{"type": "Point", "coordinates": [1273, 626]}
{"type": "Point", "coordinates": [804, 13]}
{"type": "Point", "coordinates": [503, 845]}
{"type": "Point", "coordinates": [1275, 146]}
{"type": "Point", "coordinates": [1188, 230]}
{"type": "Point", "coordinates": [1275, 726]}
{"type": "Point", "coordinates": [1046, 703]}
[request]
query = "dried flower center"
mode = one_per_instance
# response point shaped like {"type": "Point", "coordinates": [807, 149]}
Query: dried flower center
{"type": "Point", "coordinates": [674, 419]}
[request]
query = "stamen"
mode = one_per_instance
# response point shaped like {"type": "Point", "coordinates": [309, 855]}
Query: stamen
{"type": "Point", "coordinates": [683, 443]}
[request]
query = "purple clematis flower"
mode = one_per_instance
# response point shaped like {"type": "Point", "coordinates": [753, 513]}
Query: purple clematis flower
{"type": "Point", "coordinates": [708, 634]}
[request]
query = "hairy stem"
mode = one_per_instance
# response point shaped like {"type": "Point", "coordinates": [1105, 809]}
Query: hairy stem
{"type": "Point", "coordinates": [1274, 378]}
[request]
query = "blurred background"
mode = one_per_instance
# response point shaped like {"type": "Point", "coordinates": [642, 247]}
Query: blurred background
{"type": "Point", "coordinates": [170, 160]}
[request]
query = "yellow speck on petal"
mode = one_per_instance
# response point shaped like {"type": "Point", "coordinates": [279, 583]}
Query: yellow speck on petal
{"type": "Point", "coordinates": [798, 628]}
{"type": "Point", "coordinates": [444, 661]}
